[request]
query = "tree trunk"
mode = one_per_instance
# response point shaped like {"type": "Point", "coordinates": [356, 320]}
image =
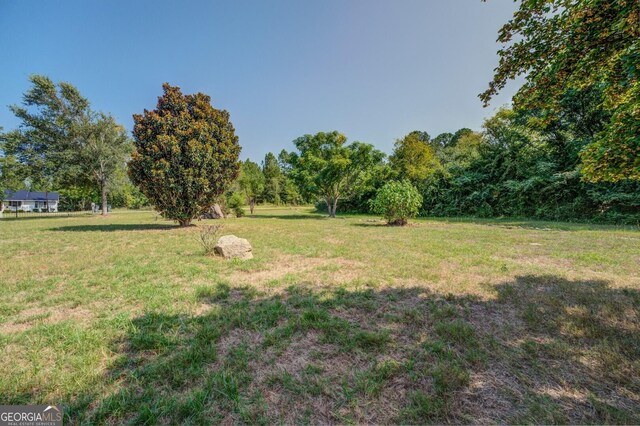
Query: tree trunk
{"type": "Point", "coordinates": [103, 188]}
{"type": "Point", "coordinates": [332, 205]}
{"type": "Point", "coordinates": [185, 222]}
{"type": "Point", "coordinates": [252, 204]}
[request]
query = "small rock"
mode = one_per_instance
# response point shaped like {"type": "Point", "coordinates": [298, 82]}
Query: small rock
{"type": "Point", "coordinates": [230, 246]}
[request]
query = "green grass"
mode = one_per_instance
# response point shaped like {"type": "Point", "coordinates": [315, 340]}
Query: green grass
{"type": "Point", "coordinates": [124, 320]}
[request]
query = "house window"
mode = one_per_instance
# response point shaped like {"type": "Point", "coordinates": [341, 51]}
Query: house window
{"type": "Point", "coordinates": [15, 203]}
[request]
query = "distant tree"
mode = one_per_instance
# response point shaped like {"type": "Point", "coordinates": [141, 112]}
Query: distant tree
{"type": "Point", "coordinates": [284, 160]}
{"type": "Point", "coordinates": [414, 158]}
{"type": "Point", "coordinates": [466, 149]}
{"type": "Point", "coordinates": [272, 178]}
{"type": "Point", "coordinates": [10, 175]}
{"type": "Point", "coordinates": [442, 140]}
{"type": "Point", "coordinates": [76, 198]}
{"type": "Point", "coordinates": [290, 194]}
{"type": "Point", "coordinates": [186, 154]}
{"type": "Point", "coordinates": [460, 133]}
{"type": "Point", "coordinates": [420, 135]}
{"type": "Point", "coordinates": [328, 168]}
{"type": "Point", "coordinates": [574, 46]}
{"type": "Point", "coordinates": [104, 148]}
{"type": "Point", "coordinates": [397, 201]}
{"type": "Point", "coordinates": [251, 182]}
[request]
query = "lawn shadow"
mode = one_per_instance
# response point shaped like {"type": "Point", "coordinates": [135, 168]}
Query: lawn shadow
{"type": "Point", "coordinates": [111, 227]}
{"type": "Point", "coordinates": [375, 224]}
{"type": "Point", "coordinates": [534, 224]}
{"type": "Point", "coordinates": [12, 218]}
{"type": "Point", "coordinates": [544, 350]}
{"type": "Point", "coordinates": [288, 216]}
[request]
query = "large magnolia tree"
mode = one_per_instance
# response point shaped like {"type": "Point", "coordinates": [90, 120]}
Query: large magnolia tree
{"type": "Point", "coordinates": [186, 154]}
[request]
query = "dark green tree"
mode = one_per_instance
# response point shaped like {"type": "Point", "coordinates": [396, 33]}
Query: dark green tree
{"type": "Point", "coordinates": [442, 140]}
{"type": "Point", "coordinates": [186, 154]}
{"type": "Point", "coordinates": [45, 144]}
{"type": "Point", "coordinates": [272, 179]}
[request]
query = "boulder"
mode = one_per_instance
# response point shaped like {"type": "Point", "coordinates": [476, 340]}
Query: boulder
{"type": "Point", "coordinates": [230, 246]}
{"type": "Point", "coordinates": [214, 212]}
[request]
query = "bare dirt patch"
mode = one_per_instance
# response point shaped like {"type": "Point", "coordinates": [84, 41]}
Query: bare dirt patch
{"type": "Point", "coordinates": [307, 269]}
{"type": "Point", "coordinates": [31, 317]}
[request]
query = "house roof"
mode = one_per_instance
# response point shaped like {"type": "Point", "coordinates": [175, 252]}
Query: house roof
{"type": "Point", "coordinates": [24, 195]}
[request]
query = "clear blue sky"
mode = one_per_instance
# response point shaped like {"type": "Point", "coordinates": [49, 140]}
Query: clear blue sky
{"type": "Point", "coordinates": [372, 69]}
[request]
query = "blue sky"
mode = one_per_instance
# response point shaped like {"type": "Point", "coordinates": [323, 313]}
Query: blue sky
{"type": "Point", "coordinates": [372, 69]}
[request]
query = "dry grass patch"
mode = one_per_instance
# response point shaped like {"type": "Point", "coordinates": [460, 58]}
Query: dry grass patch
{"type": "Point", "coordinates": [303, 268]}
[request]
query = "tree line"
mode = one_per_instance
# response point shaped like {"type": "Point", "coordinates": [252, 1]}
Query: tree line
{"type": "Point", "coordinates": [568, 148]}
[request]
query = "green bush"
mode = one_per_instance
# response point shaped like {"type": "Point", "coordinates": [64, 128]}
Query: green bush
{"type": "Point", "coordinates": [235, 203]}
{"type": "Point", "coordinates": [397, 202]}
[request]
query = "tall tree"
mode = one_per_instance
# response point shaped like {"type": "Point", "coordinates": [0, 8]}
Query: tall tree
{"type": "Point", "coordinates": [186, 154]}
{"type": "Point", "coordinates": [44, 144]}
{"type": "Point", "coordinates": [578, 45]}
{"type": "Point", "coordinates": [103, 149]}
{"type": "Point", "coordinates": [251, 182]}
{"type": "Point", "coordinates": [326, 167]}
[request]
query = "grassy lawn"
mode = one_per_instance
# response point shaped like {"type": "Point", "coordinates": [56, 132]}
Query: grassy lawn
{"type": "Point", "coordinates": [124, 320]}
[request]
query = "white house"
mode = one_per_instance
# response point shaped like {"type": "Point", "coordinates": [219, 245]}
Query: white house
{"type": "Point", "coordinates": [29, 201]}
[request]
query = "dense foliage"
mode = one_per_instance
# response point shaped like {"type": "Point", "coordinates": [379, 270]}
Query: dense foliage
{"type": "Point", "coordinates": [513, 169]}
{"type": "Point", "coordinates": [397, 201]}
{"type": "Point", "coordinates": [186, 154]}
{"type": "Point", "coordinates": [586, 47]}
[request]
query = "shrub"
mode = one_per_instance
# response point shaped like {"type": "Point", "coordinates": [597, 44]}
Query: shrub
{"type": "Point", "coordinates": [397, 202]}
{"type": "Point", "coordinates": [235, 203]}
{"type": "Point", "coordinates": [208, 234]}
